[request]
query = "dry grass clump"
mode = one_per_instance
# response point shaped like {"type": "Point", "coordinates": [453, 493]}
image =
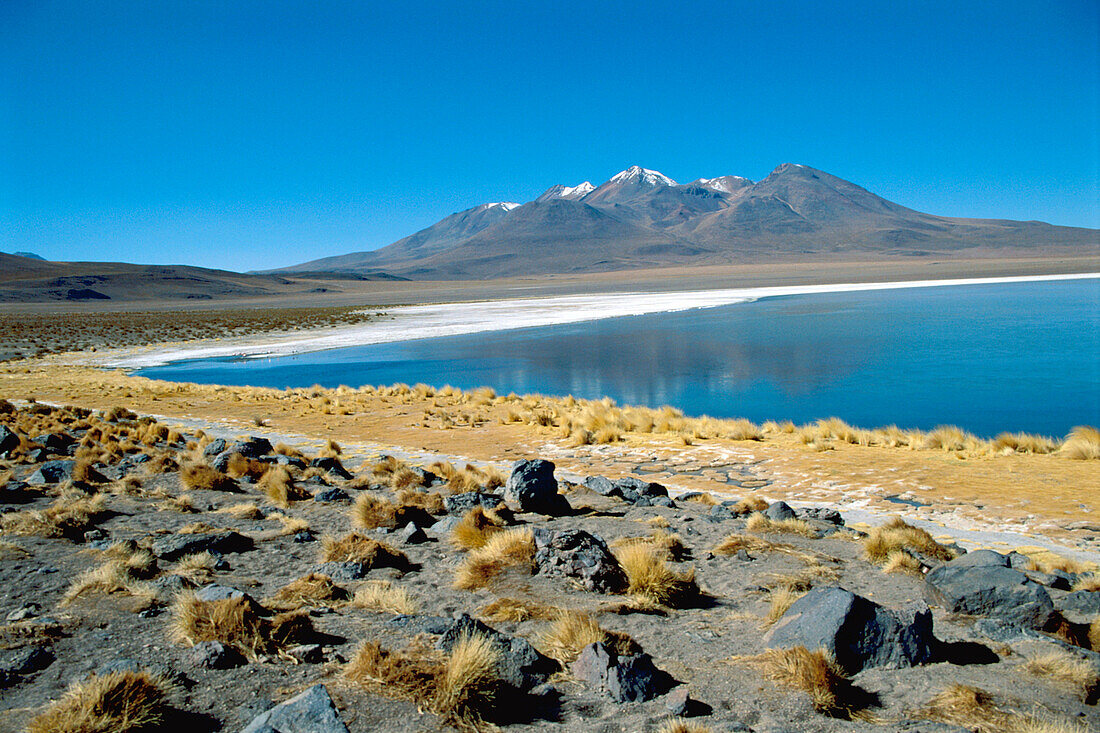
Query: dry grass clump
{"type": "Point", "coordinates": [236, 622]}
{"type": "Point", "coordinates": [779, 602]}
{"type": "Point", "coordinates": [901, 562]}
{"type": "Point", "coordinates": [116, 702]}
{"type": "Point", "coordinates": [468, 478]}
{"type": "Point", "coordinates": [512, 548]}
{"type": "Point", "coordinates": [370, 512]}
{"type": "Point", "coordinates": [817, 674]}
{"type": "Point", "coordinates": [239, 466]}
{"type": "Point", "coordinates": [290, 525]}
{"type": "Point", "coordinates": [898, 536]}
{"type": "Point", "coordinates": [953, 439]}
{"type": "Point", "coordinates": [1025, 443]}
{"type": "Point", "coordinates": [354, 547]}
{"type": "Point", "coordinates": [572, 631]}
{"type": "Point", "coordinates": [757, 522]}
{"type": "Point", "coordinates": [382, 595]}
{"type": "Point", "coordinates": [1046, 561]}
{"type": "Point", "coordinates": [184, 503]}
{"type": "Point", "coordinates": [1082, 444]}
{"type": "Point", "coordinates": [679, 725]}
{"type": "Point", "coordinates": [1068, 667]}
{"type": "Point", "coordinates": [315, 590]}
{"type": "Point", "coordinates": [196, 476]}
{"type": "Point", "coordinates": [67, 516]}
{"type": "Point", "coordinates": [462, 688]}
{"type": "Point", "coordinates": [672, 545]}
{"type": "Point", "coordinates": [85, 472]}
{"type": "Point", "coordinates": [968, 707]}
{"type": "Point", "coordinates": [125, 574]}
{"type": "Point", "coordinates": [429, 501]}
{"type": "Point", "coordinates": [750, 504]}
{"type": "Point", "coordinates": [475, 528]}
{"type": "Point", "coordinates": [280, 489]}
{"type": "Point", "coordinates": [649, 576]}
{"type": "Point", "coordinates": [700, 497]}
{"type": "Point", "coordinates": [242, 511]}
{"type": "Point", "coordinates": [516, 610]}
{"type": "Point", "coordinates": [197, 568]}
{"type": "Point", "coordinates": [1088, 581]}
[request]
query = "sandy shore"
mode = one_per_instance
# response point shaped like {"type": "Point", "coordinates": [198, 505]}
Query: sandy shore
{"type": "Point", "coordinates": [428, 321]}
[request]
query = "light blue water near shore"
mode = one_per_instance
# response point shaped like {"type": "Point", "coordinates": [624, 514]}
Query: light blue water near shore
{"type": "Point", "coordinates": [1018, 357]}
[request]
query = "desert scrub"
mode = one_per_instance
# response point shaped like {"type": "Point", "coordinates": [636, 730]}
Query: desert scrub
{"type": "Point", "coordinates": [757, 522]}
{"type": "Point", "coordinates": [817, 674]}
{"type": "Point", "coordinates": [897, 536]}
{"type": "Point", "coordinates": [354, 547]}
{"type": "Point", "coordinates": [315, 589]}
{"type": "Point", "coordinates": [382, 595]}
{"type": "Point", "coordinates": [196, 476]}
{"type": "Point", "coordinates": [510, 549]}
{"type": "Point", "coordinates": [126, 574]}
{"type": "Point", "coordinates": [116, 702]}
{"type": "Point", "coordinates": [370, 512]}
{"type": "Point", "coordinates": [671, 545]}
{"type": "Point", "coordinates": [649, 576]}
{"type": "Point", "coordinates": [475, 528]}
{"type": "Point", "coordinates": [516, 610]}
{"type": "Point", "coordinates": [65, 517]}
{"type": "Point", "coordinates": [236, 622]}
{"type": "Point", "coordinates": [571, 631]}
{"type": "Point", "coordinates": [280, 488]}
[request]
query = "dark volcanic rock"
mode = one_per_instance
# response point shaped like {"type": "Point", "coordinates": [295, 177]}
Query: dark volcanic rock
{"type": "Point", "coordinates": [629, 678]}
{"type": "Point", "coordinates": [343, 570]}
{"type": "Point", "coordinates": [173, 547]}
{"type": "Point", "coordinates": [981, 584]}
{"type": "Point", "coordinates": [778, 511]}
{"type": "Point", "coordinates": [332, 466]}
{"type": "Point", "coordinates": [821, 514]}
{"type": "Point", "coordinates": [52, 472]}
{"type": "Point", "coordinates": [1079, 607]}
{"type": "Point", "coordinates": [311, 711]}
{"type": "Point", "coordinates": [533, 487]}
{"type": "Point", "coordinates": [519, 664]}
{"type": "Point", "coordinates": [253, 447]}
{"type": "Point", "coordinates": [216, 446]}
{"type": "Point", "coordinates": [859, 632]}
{"type": "Point", "coordinates": [9, 441]}
{"type": "Point", "coordinates": [459, 504]}
{"type": "Point", "coordinates": [214, 655]}
{"type": "Point", "coordinates": [575, 553]}
{"type": "Point", "coordinates": [331, 495]}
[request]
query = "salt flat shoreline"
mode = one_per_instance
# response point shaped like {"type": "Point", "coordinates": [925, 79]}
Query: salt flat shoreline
{"type": "Point", "coordinates": [429, 321]}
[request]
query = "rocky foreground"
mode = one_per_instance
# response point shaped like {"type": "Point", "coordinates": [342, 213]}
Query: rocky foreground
{"type": "Point", "coordinates": [160, 580]}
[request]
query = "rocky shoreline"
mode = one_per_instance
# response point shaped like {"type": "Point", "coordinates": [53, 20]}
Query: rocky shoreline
{"type": "Point", "coordinates": [237, 585]}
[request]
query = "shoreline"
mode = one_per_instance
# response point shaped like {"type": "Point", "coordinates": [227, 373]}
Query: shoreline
{"type": "Point", "coordinates": [450, 319]}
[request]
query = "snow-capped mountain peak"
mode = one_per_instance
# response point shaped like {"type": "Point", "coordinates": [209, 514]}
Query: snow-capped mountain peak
{"type": "Point", "coordinates": [572, 193]}
{"type": "Point", "coordinates": [725, 184]}
{"type": "Point", "coordinates": [504, 205]}
{"type": "Point", "coordinates": [642, 175]}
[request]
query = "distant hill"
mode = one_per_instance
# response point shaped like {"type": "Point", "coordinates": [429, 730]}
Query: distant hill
{"type": "Point", "coordinates": [23, 279]}
{"type": "Point", "coordinates": [642, 218]}
{"type": "Point", "coordinates": [29, 255]}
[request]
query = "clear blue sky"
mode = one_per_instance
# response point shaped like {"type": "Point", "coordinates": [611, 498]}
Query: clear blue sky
{"type": "Point", "coordinates": [249, 135]}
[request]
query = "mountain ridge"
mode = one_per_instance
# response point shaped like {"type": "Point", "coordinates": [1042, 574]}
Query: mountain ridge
{"type": "Point", "coordinates": [642, 218]}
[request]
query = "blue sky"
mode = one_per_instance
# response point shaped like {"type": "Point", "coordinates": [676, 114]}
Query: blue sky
{"type": "Point", "coordinates": [249, 135]}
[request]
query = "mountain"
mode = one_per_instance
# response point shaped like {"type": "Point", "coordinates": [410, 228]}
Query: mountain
{"type": "Point", "coordinates": [642, 218]}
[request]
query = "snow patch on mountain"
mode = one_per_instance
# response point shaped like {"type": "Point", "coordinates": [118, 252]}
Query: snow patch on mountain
{"type": "Point", "coordinates": [637, 174]}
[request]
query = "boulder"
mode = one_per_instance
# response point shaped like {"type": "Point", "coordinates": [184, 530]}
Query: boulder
{"type": "Point", "coordinates": [533, 487]}
{"type": "Point", "coordinates": [331, 495]}
{"type": "Point", "coordinates": [574, 553]}
{"type": "Point", "coordinates": [175, 546]}
{"type": "Point", "coordinates": [411, 534]}
{"type": "Point", "coordinates": [859, 632]}
{"type": "Point", "coordinates": [57, 442]}
{"type": "Point", "coordinates": [214, 655]}
{"type": "Point", "coordinates": [821, 514]}
{"type": "Point", "coordinates": [52, 472]}
{"type": "Point", "coordinates": [252, 447]}
{"type": "Point", "coordinates": [215, 592]}
{"type": "Point", "coordinates": [1079, 607]}
{"type": "Point", "coordinates": [213, 448]}
{"type": "Point", "coordinates": [311, 711]}
{"type": "Point", "coordinates": [9, 441]}
{"type": "Point", "coordinates": [519, 664]}
{"type": "Point", "coordinates": [628, 678]}
{"type": "Point", "coordinates": [459, 504]}
{"type": "Point", "coordinates": [638, 492]}
{"type": "Point", "coordinates": [777, 511]}
{"type": "Point", "coordinates": [602, 486]}
{"type": "Point", "coordinates": [28, 660]}
{"type": "Point", "coordinates": [343, 570]}
{"type": "Point", "coordinates": [15, 492]}
{"type": "Point", "coordinates": [307, 653]}
{"type": "Point", "coordinates": [981, 584]}
{"type": "Point", "coordinates": [332, 466]}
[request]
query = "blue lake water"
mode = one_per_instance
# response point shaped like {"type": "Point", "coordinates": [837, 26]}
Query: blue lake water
{"type": "Point", "coordinates": [1019, 357]}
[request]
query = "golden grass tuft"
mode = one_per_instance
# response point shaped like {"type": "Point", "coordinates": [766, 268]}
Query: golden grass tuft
{"type": "Point", "coordinates": [672, 545]}
{"type": "Point", "coordinates": [314, 589]}
{"type": "Point", "coordinates": [370, 512]}
{"type": "Point", "coordinates": [119, 575]}
{"type": "Point", "coordinates": [65, 517]}
{"type": "Point", "coordinates": [1082, 444]}
{"type": "Point", "coordinates": [757, 522]}
{"type": "Point", "coordinates": [779, 602]}
{"type": "Point", "coordinates": [116, 702]}
{"type": "Point", "coordinates": [899, 536]}
{"type": "Point", "coordinates": [901, 562]}
{"type": "Point", "coordinates": [1089, 582]}
{"type": "Point", "coordinates": [197, 568]}
{"type": "Point", "coordinates": [702, 497]}
{"type": "Point", "coordinates": [516, 610]}
{"type": "Point", "coordinates": [475, 528]}
{"type": "Point", "coordinates": [354, 547]}
{"type": "Point", "coordinates": [571, 631]}
{"type": "Point", "coordinates": [429, 501]}
{"type": "Point", "coordinates": [199, 476]}
{"type": "Point", "coordinates": [236, 622]}
{"type": "Point", "coordinates": [512, 548]}
{"type": "Point", "coordinates": [242, 511]}
{"type": "Point", "coordinates": [280, 489]}
{"type": "Point", "coordinates": [750, 504]}
{"type": "Point", "coordinates": [679, 725]}
{"type": "Point", "coordinates": [968, 707]}
{"type": "Point", "coordinates": [382, 595]}
{"type": "Point", "coordinates": [469, 685]}
{"type": "Point", "coordinates": [649, 576]}
{"type": "Point", "coordinates": [1062, 665]}
{"type": "Point", "coordinates": [239, 467]}
{"type": "Point", "coordinates": [817, 674]}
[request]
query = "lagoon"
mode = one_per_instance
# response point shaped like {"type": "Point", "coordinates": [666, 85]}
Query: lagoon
{"type": "Point", "coordinates": [1021, 356]}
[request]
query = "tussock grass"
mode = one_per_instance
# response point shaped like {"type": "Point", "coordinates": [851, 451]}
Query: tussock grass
{"type": "Point", "coordinates": [197, 568]}
{"type": "Point", "coordinates": [679, 725]}
{"type": "Point", "coordinates": [1046, 561]}
{"type": "Point", "coordinates": [120, 575]}
{"type": "Point", "coordinates": [468, 478]}
{"type": "Point", "coordinates": [199, 476]}
{"type": "Point", "coordinates": [236, 622]}
{"type": "Point", "coordinates": [116, 702]}
{"type": "Point", "coordinates": [280, 489]}
{"type": "Point", "coordinates": [968, 707]}
{"type": "Point", "coordinates": [429, 501]}
{"type": "Point", "coordinates": [701, 497]}
{"type": "Point", "coordinates": [314, 589]}
{"type": "Point", "coordinates": [516, 610]}
{"type": "Point", "coordinates": [370, 512]}
{"type": "Point", "coordinates": [462, 688]}
{"type": "Point", "coordinates": [512, 548]}
{"type": "Point", "coordinates": [672, 545]}
{"type": "Point", "coordinates": [475, 528]}
{"type": "Point", "coordinates": [1082, 444]}
{"type": "Point", "coordinates": [757, 522]}
{"type": "Point", "coordinates": [382, 595]}
{"type": "Point", "coordinates": [779, 602]}
{"type": "Point", "coordinates": [240, 467]}
{"type": "Point", "coordinates": [290, 525]}
{"type": "Point", "coordinates": [1025, 443]}
{"type": "Point", "coordinates": [901, 562]}
{"type": "Point", "coordinates": [184, 503]}
{"type": "Point", "coordinates": [1062, 665]}
{"type": "Point", "coordinates": [750, 504]}
{"type": "Point", "coordinates": [571, 631]}
{"type": "Point", "coordinates": [649, 576]}
{"type": "Point", "coordinates": [899, 536]}
{"type": "Point", "coordinates": [817, 674]}
{"type": "Point", "coordinates": [354, 547]}
{"type": "Point", "coordinates": [66, 517]}
{"type": "Point", "coordinates": [242, 511]}
{"type": "Point", "coordinates": [1089, 582]}
{"type": "Point", "coordinates": [197, 528]}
